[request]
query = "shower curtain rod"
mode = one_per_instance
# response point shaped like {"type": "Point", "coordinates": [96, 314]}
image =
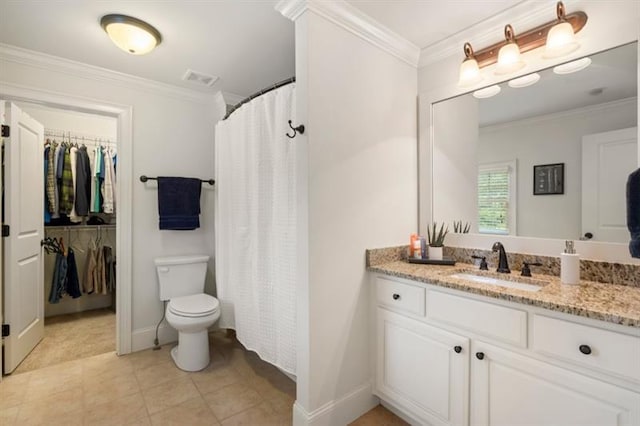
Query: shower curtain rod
{"type": "Point", "coordinates": [261, 92]}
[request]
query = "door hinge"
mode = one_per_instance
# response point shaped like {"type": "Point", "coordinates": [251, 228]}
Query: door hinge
{"type": "Point", "coordinates": [6, 330]}
{"type": "Point", "coordinates": [5, 230]}
{"type": "Point", "coordinates": [6, 131]}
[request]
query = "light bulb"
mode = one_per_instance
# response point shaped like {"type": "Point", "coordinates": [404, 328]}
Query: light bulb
{"type": "Point", "coordinates": [560, 41]}
{"type": "Point", "coordinates": [509, 59]}
{"type": "Point", "coordinates": [469, 73]}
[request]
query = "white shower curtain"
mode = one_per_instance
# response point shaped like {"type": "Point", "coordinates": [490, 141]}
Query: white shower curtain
{"type": "Point", "coordinates": [256, 226]}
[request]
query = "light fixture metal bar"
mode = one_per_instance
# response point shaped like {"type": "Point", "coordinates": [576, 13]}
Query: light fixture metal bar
{"type": "Point", "coordinates": [529, 40]}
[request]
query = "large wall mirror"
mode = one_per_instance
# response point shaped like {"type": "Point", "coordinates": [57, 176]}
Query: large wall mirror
{"type": "Point", "coordinates": [547, 160]}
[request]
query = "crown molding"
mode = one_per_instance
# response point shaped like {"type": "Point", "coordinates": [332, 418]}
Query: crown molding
{"type": "Point", "coordinates": [355, 21]}
{"type": "Point", "coordinates": [523, 16]}
{"type": "Point", "coordinates": [9, 53]}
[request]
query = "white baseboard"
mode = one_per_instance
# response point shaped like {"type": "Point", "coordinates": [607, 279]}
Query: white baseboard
{"type": "Point", "coordinates": [337, 412]}
{"type": "Point", "coordinates": [143, 338]}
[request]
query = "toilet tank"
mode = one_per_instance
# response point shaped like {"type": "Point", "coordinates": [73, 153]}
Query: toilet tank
{"type": "Point", "coordinates": [181, 275]}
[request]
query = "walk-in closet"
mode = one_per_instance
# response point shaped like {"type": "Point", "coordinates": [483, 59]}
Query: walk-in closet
{"type": "Point", "coordinates": [79, 246]}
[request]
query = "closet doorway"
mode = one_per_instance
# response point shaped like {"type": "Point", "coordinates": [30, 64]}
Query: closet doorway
{"type": "Point", "coordinates": [79, 254]}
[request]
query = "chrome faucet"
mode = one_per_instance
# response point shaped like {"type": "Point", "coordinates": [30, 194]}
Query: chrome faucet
{"type": "Point", "coordinates": [503, 264]}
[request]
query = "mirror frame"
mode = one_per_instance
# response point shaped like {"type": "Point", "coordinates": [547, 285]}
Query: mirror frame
{"type": "Point", "coordinates": [599, 251]}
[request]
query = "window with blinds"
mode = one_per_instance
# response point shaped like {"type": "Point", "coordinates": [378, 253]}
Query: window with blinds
{"type": "Point", "coordinates": [496, 198]}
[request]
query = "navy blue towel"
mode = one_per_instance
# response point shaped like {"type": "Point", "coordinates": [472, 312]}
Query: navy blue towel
{"type": "Point", "coordinates": [633, 212]}
{"type": "Point", "coordinates": [179, 203]}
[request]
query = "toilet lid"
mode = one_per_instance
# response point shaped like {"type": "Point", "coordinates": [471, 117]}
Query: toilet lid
{"type": "Point", "coordinates": [195, 305]}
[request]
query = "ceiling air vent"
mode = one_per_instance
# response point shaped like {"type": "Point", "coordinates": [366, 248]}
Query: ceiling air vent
{"type": "Point", "coordinates": [199, 78]}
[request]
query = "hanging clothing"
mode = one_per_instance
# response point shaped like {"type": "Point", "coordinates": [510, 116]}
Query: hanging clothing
{"type": "Point", "coordinates": [66, 183]}
{"type": "Point", "coordinates": [73, 155]}
{"type": "Point", "coordinates": [51, 178]}
{"type": "Point", "coordinates": [89, 283]}
{"type": "Point", "coordinates": [55, 213]}
{"type": "Point", "coordinates": [83, 182]}
{"type": "Point", "coordinates": [72, 286]}
{"type": "Point", "coordinates": [59, 278]}
{"type": "Point", "coordinates": [110, 268]}
{"type": "Point", "coordinates": [100, 273]}
{"type": "Point", "coordinates": [108, 187]}
{"type": "Point", "coordinates": [47, 215]}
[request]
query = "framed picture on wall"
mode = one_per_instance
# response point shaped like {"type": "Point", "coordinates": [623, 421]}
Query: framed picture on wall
{"type": "Point", "coordinates": [548, 179]}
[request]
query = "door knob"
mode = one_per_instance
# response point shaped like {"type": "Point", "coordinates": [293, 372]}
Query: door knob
{"type": "Point", "coordinates": [458, 349]}
{"type": "Point", "coordinates": [480, 355]}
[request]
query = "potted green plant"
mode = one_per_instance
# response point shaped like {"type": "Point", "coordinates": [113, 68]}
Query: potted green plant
{"type": "Point", "coordinates": [435, 237]}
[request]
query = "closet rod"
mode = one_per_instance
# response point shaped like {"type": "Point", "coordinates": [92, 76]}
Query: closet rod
{"type": "Point", "coordinates": [144, 178]}
{"type": "Point", "coordinates": [68, 135]}
{"type": "Point", "coordinates": [79, 227]}
{"type": "Point", "coordinates": [259, 93]}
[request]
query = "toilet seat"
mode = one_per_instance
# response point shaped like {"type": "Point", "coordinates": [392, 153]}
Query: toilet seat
{"type": "Point", "coordinates": [193, 306]}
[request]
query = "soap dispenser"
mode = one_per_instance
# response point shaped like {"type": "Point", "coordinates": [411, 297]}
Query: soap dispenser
{"type": "Point", "coordinates": [569, 265]}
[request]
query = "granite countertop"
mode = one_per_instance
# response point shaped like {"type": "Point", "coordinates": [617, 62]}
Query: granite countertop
{"type": "Point", "coordinates": [617, 304]}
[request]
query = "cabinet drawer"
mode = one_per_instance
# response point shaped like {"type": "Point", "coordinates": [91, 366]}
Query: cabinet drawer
{"type": "Point", "coordinates": [591, 347]}
{"type": "Point", "coordinates": [486, 319]}
{"type": "Point", "coordinates": [405, 297]}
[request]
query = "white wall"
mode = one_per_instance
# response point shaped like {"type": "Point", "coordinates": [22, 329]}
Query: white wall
{"type": "Point", "coordinates": [173, 133]}
{"type": "Point", "coordinates": [550, 139]}
{"type": "Point", "coordinates": [358, 162]}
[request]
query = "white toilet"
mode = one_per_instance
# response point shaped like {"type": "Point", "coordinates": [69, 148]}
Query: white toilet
{"type": "Point", "coordinates": [190, 310]}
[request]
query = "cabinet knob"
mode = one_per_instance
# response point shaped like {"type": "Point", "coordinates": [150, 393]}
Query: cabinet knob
{"type": "Point", "coordinates": [480, 355]}
{"type": "Point", "coordinates": [458, 349]}
{"type": "Point", "coordinates": [396, 296]}
{"type": "Point", "coordinates": [585, 349]}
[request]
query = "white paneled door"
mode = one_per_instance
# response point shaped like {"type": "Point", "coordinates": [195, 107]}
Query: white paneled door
{"type": "Point", "coordinates": [607, 160]}
{"type": "Point", "coordinates": [23, 299]}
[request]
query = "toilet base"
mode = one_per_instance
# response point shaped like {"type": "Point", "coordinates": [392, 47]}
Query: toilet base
{"type": "Point", "coordinates": [192, 351]}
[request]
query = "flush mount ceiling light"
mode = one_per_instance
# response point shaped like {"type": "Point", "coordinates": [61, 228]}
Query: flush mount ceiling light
{"type": "Point", "coordinates": [561, 39]}
{"type": "Point", "coordinates": [487, 92]}
{"type": "Point", "coordinates": [469, 70]}
{"type": "Point", "coordinates": [131, 34]}
{"type": "Point", "coordinates": [524, 81]}
{"type": "Point", "coordinates": [509, 55]}
{"type": "Point", "coordinates": [573, 66]}
{"type": "Point", "coordinates": [528, 40]}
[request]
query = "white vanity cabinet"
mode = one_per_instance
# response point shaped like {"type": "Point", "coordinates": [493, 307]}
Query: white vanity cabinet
{"type": "Point", "coordinates": [509, 389]}
{"type": "Point", "coordinates": [424, 368]}
{"type": "Point", "coordinates": [452, 358]}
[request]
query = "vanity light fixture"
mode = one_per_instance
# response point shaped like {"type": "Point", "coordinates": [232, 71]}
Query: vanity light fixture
{"type": "Point", "coordinates": [573, 66]}
{"type": "Point", "coordinates": [509, 59]}
{"type": "Point", "coordinates": [561, 39]}
{"type": "Point", "coordinates": [469, 70]}
{"type": "Point", "coordinates": [524, 81]}
{"type": "Point", "coordinates": [531, 39]}
{"type": "Point", "coordinates": [130, 34]}
{"type": "Point", "coordinates": [487, 92]}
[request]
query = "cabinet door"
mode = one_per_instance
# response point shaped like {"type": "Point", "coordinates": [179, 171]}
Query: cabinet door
{"type": "Point", "coordinates": [422, 369]}
{"type": "Point", "coordinates": [508, 389]}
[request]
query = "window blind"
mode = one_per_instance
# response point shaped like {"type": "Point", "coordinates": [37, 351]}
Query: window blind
{"type": "Point", "coordinates": [494, 194]}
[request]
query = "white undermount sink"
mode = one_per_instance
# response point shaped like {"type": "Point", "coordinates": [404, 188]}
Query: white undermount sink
{"type": "Point", "coordinates": [481, 279]}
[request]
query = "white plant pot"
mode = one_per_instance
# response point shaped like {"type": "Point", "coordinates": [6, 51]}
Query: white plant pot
{"type": "Point", "coordinates": [435, 253]}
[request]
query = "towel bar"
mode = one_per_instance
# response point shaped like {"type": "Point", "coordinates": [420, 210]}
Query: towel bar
{"type": "Point", "coordinates": [144, 178]}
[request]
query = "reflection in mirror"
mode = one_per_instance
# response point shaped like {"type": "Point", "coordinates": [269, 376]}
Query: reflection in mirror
{"type": "Point", "coordinates": [580, 127]}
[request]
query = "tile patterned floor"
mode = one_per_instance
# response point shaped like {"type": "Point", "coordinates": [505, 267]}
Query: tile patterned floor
{"type": "Point", "coordinates": [145, 388]}
{"type": "Point", "coordinates": [72, 336]}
